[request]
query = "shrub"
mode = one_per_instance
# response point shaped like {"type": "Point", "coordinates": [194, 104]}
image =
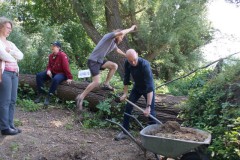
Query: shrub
{"type": "Point", "coordinates": [105, 111]}
{"type": "Point", "coordinates": [213, 108]}
{"type": "Point", "coordinates": [28, 105]}
{"type": "Point", "coordinates": [182, 86]}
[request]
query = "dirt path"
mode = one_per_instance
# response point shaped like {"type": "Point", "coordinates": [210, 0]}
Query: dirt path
{"type": "Point", "coordinates": [51, 134]}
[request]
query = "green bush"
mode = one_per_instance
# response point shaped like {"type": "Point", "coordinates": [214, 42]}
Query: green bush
{"type": "Point", "coordinates": [105, 111]}
{"type": "Point", "coordinates": [25, 92]}
{"type": "Point", "coordinates": [28, 105]}
{"type": "Point", "coordinates": [213, 108]}
{"type": "Point", "coordinates": [182, 86]}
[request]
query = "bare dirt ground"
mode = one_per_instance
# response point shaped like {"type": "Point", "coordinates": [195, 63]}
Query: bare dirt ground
{"type": "Point", "coordinates": [52, 134]}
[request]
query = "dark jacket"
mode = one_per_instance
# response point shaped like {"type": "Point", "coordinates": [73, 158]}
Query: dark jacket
{"type": "Point", "coordinates": [141, 74]}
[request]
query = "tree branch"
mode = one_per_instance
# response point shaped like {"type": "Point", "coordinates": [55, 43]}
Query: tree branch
{"type": "Point", "coordinates": [220, 59]}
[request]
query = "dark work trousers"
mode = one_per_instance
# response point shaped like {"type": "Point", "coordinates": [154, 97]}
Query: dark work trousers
{"type": "Point", "coordinates": [55, 81]}
{"type": "Point", "coordinates": [8, 98]}
{"type": "Point", "coordinates": [134, 96]}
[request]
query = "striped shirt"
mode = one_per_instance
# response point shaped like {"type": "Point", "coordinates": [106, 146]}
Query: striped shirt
{"type": "Point", "coordinates": [11, 66]}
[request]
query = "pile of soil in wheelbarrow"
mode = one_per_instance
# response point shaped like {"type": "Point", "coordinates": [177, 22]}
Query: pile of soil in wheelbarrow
{"type": "Point", "coordinates": [173, 130]}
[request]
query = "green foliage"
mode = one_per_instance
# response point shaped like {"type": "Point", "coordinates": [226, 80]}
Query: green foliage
{"type": "Point", "coordinates": [14, 147]}
{"type": "Point", "coordinates": [81, 45]}
{"type": "Point", "coordinates": [105, 111]}
{"type": "Point", "coordinates": [24, 99]}
{"type": "Point", "coordinates": [104, 108]}
{"type": "Point", "coordinates": [39, 48]}
{"type": "Point", "coordinates": [25, 92]}
{"type": "Point", "coordinates": [162, 89]}
{"type": "Point", "coordinates": [19, 37]}
{"type": "Point", "coordinates": [28, 105]}
{"type": "Point", "coordinates": [97, 120]}
{"type": "Point", "coordinates": [17, 122]}
{"type": "Point", "coordinates": [170, 31]}
{"type": "Point", "coordinates": [116, 81]}
{"type": "Point", "coordinates": [226, 146]}
{"type": "Point", "coordinates": [36, 43]}
{"type": "Point", "coordinates": [5, 7]}
{"type": "Point", "coordinates": [174, 30]}
{"type": "Point", "coordinates": [69, 126]}
{"type": "Point", "coordinates": [211, 107]}
{"type": "Point", "coordinates": [183, 86]}
{"type": "Point", "coordinates": [70, 104]}
{"type": "Point", "coordinates": [92, 121]}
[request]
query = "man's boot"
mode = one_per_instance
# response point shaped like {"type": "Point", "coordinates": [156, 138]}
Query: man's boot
{"type": "Point", "coordinates": [46, 101]}
{"type": "Point", "coordinates": [38, 99]}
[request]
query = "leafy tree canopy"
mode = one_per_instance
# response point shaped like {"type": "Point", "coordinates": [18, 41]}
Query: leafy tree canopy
{"type": "Point", "coordinates": [169, 31]}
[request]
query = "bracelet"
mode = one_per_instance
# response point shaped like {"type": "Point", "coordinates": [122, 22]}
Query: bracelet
{"type": "Point", "coordinates": [149, 105]}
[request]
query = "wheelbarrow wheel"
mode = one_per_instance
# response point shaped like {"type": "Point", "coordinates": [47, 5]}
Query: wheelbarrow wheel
{"type": "Point", "coordinates": [191, 156]}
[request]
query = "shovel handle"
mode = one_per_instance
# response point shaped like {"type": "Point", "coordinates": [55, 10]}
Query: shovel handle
{"type": "Point", "coordinates": [134, 105]}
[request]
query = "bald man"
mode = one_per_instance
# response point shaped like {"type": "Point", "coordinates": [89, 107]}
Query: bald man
{"type": "Point", "coordinates": [141, 73]}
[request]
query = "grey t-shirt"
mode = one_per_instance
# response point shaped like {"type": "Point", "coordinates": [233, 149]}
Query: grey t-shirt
{"type": "Point", "coordinates": [104, 46]}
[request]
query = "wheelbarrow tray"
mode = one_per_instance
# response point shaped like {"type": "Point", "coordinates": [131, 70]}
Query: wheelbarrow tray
{"type": "Point", "coordinates": [168, 147]}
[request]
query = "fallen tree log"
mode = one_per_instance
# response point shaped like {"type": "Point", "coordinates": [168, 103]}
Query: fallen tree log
{"type": "Point", "coordinates": [166, 105]}
{"type": "Point", "coordinates": [66, 91]}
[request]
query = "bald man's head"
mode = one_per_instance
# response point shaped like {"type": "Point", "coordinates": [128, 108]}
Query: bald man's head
{"type": "Point", "coordinates": [132, 57]}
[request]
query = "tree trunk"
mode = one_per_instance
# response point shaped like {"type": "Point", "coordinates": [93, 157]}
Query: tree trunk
{"type": "Point", "coordinates": [85, 19]}
{"type": "Point", "coordinates": [165, 105]}
{"type": "Point", "coordinates": [68, 92]}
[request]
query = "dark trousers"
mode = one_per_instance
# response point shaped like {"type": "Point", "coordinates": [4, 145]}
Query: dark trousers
{"type": "Point", "coordinates": [55, 81]}
{"type": "Point", "coordinates": [134, 96]}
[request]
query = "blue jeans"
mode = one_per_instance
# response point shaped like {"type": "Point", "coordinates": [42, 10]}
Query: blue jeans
{"type": "Point", "coordinates": [55, 81]}
{"type": "Point", "coordinates": [134, 96]}
{"type": "Point", "coordinates": [8, 98]}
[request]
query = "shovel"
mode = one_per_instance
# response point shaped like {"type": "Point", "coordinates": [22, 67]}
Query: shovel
{"type": "Point", "coordinates": [140, 109]}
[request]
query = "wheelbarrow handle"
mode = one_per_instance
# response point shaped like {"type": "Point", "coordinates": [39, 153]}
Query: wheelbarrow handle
{"type": "Point", "coordinates": [134, 105]}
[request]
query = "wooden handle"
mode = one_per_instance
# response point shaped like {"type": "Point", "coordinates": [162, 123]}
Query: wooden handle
{"type": "Point", "coordinates": [143, 111]}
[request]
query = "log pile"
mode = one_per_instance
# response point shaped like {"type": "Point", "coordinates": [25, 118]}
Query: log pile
{"type": "Point", "coordinates": [166, 106]}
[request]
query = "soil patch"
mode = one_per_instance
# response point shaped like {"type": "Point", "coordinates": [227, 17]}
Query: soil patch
{"type": "Point", "coordinates": [52, 134]}
{"type": "Point", "coordinates": [173, 130]}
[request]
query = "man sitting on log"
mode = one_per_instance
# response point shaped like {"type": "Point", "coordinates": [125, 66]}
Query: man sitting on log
{"type": "Point", "coordinates": [57, 71]}
{"type": "Point", "coordinates": [96, 62]}
{"type": "Point", "coordinates": [141, 73]}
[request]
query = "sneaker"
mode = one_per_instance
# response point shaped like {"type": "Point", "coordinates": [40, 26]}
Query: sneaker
{"type": "Point", "coordinates": [120, 136]}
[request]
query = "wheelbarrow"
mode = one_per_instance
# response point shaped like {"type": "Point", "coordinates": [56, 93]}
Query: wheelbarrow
{"type": "Point", "coordinates": [169, 148]}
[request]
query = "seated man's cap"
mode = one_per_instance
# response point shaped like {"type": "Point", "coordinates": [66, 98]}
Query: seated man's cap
{"type": "Point", "coordinates": [56, 43]}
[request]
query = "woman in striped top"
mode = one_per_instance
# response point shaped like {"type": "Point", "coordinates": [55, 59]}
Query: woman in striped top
{"type": "Point", "coordinates": [9, 56]}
